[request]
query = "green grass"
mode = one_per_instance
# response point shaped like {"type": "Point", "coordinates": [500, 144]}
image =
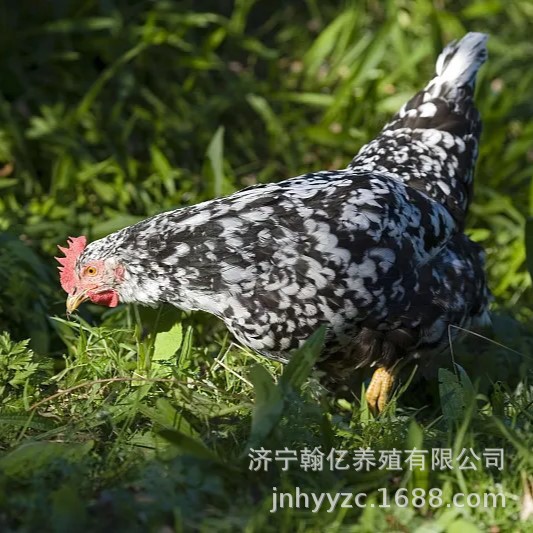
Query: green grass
{"type": "Point", "coordinates": [137, 420]}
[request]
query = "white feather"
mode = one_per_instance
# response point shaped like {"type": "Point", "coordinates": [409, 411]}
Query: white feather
{"type": "Point", "coordinates": [459, 61]}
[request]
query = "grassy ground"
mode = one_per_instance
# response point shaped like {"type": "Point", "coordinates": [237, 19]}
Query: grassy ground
{"type": "Point", "coordinates": [135, 420]}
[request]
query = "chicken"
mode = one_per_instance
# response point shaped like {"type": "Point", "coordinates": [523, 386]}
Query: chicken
{"type": "Point", "coordinates": [375, 251]}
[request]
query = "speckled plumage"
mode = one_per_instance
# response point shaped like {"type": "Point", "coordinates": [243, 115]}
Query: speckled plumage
{"type": "Point", "coordinates": [431, 144]}
{"type": "Point", "coordinates": [375, 251]}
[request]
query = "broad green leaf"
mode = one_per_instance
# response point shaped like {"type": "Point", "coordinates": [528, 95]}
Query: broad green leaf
{"type": "Point", "coordinates": [186, 347]}
{"type": "Point", "coordinates": [105, 191]}
{"type": "Point", "coordinates": [167, 343]}
{"type": "Point", "coordinates": [302, 360]}
{"type": "Point", "coordinates": [452, 398]}
{"type": "Point", "coordinates": [31, 456]}
{"type": "Point", "coordinates": [191, 446]}
{"type": "Point", "coordinates": [164, 168]}
{"type": "Point", "coordinates": [469, 393]}
{"type": "Point", "coordinates": [268, 405]}
{"type": "Point", "coordinates": [168, 417]}
{"type": "Point", "coordinates": [162, 318]}
{"type": "Point", "coordinates": [415, 436]}
{"type": "Point", "coordinates": [215, 155]}
{"type": "Point", "coordinates": [328, 41]}
{"type": "Point", "coordinates": [272, 122]}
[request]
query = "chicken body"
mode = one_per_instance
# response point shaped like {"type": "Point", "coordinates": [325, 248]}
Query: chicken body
{"type": "Point", "coordinates": [376, 251]}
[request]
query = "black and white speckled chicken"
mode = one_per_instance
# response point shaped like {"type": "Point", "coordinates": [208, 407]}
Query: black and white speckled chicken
{"type": "Point", "coordinates": [375, 251]}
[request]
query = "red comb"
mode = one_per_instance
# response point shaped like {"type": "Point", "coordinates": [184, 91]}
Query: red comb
{"type": "Point", "coordinates": [75, 246]}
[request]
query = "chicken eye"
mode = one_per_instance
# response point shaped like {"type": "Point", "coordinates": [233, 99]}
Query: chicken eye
{"type": "Point", "coordinates": [90, 271]}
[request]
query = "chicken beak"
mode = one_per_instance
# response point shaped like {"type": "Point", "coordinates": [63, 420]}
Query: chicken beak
{"type": "Point", "coordinates": [75, 300]}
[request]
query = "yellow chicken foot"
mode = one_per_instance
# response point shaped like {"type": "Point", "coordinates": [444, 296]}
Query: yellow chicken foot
{"type": "Point", "coordinates": [378, 391]}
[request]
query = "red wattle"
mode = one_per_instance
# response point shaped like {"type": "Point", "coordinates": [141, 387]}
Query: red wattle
{"type": "Point", "coordinates": [108, 298]}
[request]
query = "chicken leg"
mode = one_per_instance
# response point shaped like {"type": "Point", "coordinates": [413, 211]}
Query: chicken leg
{"type": "Point", "coordinates": [378, 392]}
